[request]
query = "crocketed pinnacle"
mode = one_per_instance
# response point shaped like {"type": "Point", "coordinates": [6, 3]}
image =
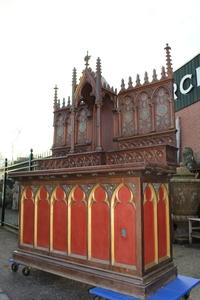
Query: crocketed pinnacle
{"type": "Point", "coordinates": [168, 60]}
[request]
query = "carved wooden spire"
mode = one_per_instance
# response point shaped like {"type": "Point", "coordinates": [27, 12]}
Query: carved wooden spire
{"type": "Point", "coordinates": [55, 97]}
{"type": "Point", "coordinates": [98, 80]}
{"type": "Point", "coordinates": [68, 102]}
{"type": "Point", "coordinates": [130, 82]}
{"type": "Point", "coordinates": [73, 86]}
{"type": "Point", "coordinates": [122, 85]}
{"type": "Point", "coordinates": [163, 73]}
{"type": "Point", "coordinates": [86, 59]}
{"type": "Point", "coordinates": [168, 60]}
{"type": "Point", "coordinates": [154, 77]}
{"type": "Point", "coordinates": [146, 78]}
{"type": "Point", "coordinates": [138, 80]}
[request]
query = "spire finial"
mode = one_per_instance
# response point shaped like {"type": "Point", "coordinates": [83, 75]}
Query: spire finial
{"type": "Point", "coordinates": [163, 74]}
{"type": "Point", "coordinates": [122, 85]}
{"type": "Point", "coordinates": [130, 82]}
{"type": "Point", "coordinates": [168, 60]}
{"type": "Point", "coordinates": [138, 80]}
{"type": "Point", "coordinates": [146, 78]}
{"type": "Point", "coordinates": [98, 80]}
{"type": "Point", "coordinates": [73, 86]}
{"type": "Point", "coordinates": [86, 59]}
{"type": "Point", "coordinates": [63, 103]}
{"type": "Point", "coordinates": [55, 97]}
{"type": "Point", "coordinates": [68, 102]}
{"type": "Point", "coordinates": [98, 67]}
{"type": "Point", "coordinates": [154, 77]}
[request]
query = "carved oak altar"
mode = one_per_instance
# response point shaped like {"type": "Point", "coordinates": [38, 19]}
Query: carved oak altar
{"type": "Point", "coordinates": [98, 210]}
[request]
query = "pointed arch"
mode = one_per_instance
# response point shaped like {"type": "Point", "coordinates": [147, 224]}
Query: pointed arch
{"type": "Point", "coordinates": [127, 116]}
{"type": "Point", "coordinates": [123, 227]}
{"type": "Point", "coordinates": [150, 226]}
{"type": "Point", "coordinates": [59, 216]}
{"type": "Point", "coordinates": [78, 222]}
{"type": "Point", "coordinates": [163, 223]}
{"type": "Point", "coordinates": [98, 224]}
{"type": "Point", "coordinates": [42, 219]}
{"type": "Point", "coordinates": [163, 112]}
{"type": "Point", "coordinates": [27, 217]}
{"type": "Point", "coordinates": [144, 113]}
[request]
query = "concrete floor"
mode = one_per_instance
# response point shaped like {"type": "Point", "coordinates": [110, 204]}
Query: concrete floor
{"type": "Point", "coordinates": [44, 286]}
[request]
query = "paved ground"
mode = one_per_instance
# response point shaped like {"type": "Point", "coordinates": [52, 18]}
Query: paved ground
{"type": "Point", "coordinates": [44, 286]}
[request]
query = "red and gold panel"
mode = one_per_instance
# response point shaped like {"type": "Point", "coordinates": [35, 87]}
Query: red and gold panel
{"type": "Point", "coordinates": [27, 217]}
{"type": "Point", "coordinates": [100, 225]}
{"type": "Point", "coordinates": [150, 226]}
{"type": "Point", "coordinates": [124, 227]}
{"type": "Point", "coordinates": [78, 222]}
{"type": "Point", "coordinates": [43, 219]}
{"type": "Point", "coordinates": [59, 220]}
{"type": "Point", "coordinates": [163, 223]}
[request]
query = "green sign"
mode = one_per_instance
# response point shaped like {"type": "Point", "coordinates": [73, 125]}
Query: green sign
{"type": "Point", "coordinates": [187, 84]}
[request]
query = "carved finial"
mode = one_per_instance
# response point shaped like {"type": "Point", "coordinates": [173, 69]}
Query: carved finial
{"type": "Point", "coordinates": [130, 82]}
{"type": "Point", "coordinates": [98, 80]}
{"type": "Point", "coordinates": [86, 59]}
{"type": "Point", "coordinates": [122, 85]}
{"type": "Point", "coordinates": [115, 91]}
{"type": "Point", "coordinates": [146, 78]}
{"type": "Point", "coordinates": [154, 77]}
{"type": "Point", "coordinates": [74, 78]}
{"type": "Point", "coordinates": [112, 89]}
{"type": "Point", "coordinates": [98, 66]}
{"type": "Point", "coordinates": [73, 86]}
{"type": "Point", "coordinates": [163, 73]}
{"type": "Point", "coordinates": [58, 103]}
{"type": "Point", "coordinates": [168, 60]}
{"type": "Point", "coordinates": [138, 80]}
{"type": "Point", "coordinates": [55, 97]}
{"type": "Point", "coordinates": [63, 103]}
{"type": "Point", "coordinates": [68, 101]}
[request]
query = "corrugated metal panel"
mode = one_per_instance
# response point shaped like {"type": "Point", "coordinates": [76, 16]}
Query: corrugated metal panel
{"type": "Point", "coordinates": [184, 100]}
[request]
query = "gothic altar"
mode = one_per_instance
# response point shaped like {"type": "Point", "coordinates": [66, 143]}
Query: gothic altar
{"type": "Point", "coordinates": [98, 210]}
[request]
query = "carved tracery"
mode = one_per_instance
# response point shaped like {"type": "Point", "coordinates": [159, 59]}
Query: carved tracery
{"type": "Point", "coordinates": [144, 114]}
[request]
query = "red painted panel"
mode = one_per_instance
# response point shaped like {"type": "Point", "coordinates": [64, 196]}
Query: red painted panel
{"type": "Point", "coordinates": [78, 223]}
{"type": "Point", "coordinates": [28, 217]}
{"type": "Point", "coordinates": [149, 234]}
{"type": "Point", "coordinates": [43, 222]}
{"type": "Point", "coordinates": [59, 221]}
{"type": "Point", "coordinates": [100, 226]}
{"type": "Point", "coordinates": [162, 225]}
{"type": "Point", "coordinates": [125, 229]}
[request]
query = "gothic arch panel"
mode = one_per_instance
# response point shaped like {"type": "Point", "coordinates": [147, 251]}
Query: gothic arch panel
{"type": "Point", "coordinates": [78, 222]}
{"type": "Point", "coordinates": [144, 114]}
{"type": "Point", "coordinates": [59, 130]}
{"type": "Point", "coordinates": [127, 116]}
{"type": "Point", "coordinates": [100, 225]}
{"type": "Point", "coordinates": [27, 219]}
{"type": "Point", "coordinates": [43, 218]}
{"type": "Point", "coordinates": [124, 227]}
{"type": "Point", "coordinates": [59, 233]}
{"type": "Point", "coordinates": [150, 226]}
{"type": "Point", "coordinates": [161, 100]}
{"type": "Point", "coordinates": [82, 126]}
{"type": "Point", "coordinates": [163, 223]}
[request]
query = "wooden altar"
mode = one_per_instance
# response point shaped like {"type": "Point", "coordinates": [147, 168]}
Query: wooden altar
{"type": "Point", "coordinates": [98, 210]}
